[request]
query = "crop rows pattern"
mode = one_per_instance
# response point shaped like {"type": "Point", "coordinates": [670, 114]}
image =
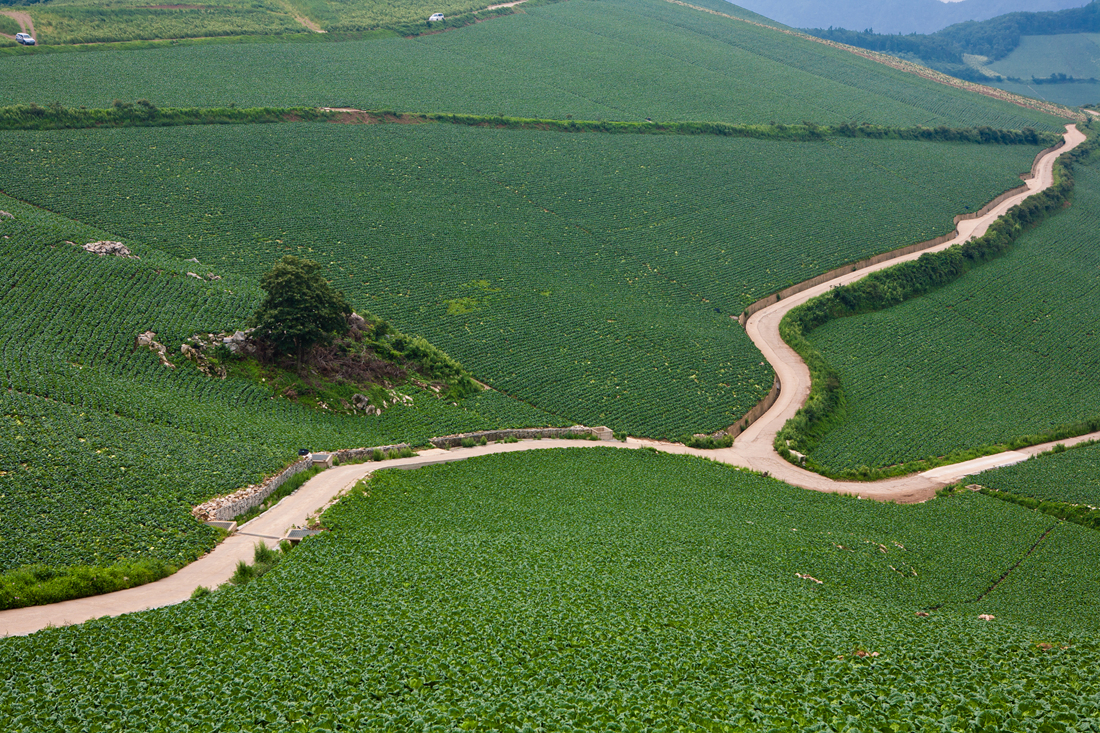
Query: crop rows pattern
{"type": "Point", "coordinates": [103, 451]}
{"type": "Point", "coordinates": [617, 60]}
{"type": "Point", "coordinates": [589, 590]}
{"type": "Point", "coordinates": [1072, 477]}
{"type": "Point", "coordinates": [597, 277]}
{"type": "Point", "coordinates": [1009, 350]}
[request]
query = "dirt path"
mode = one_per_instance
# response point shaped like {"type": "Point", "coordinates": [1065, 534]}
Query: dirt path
{"type": "Point", "coordinates": [24, 20]}
{"type": "Point", "coordinates": [307, 23]}
{"type": "Point", "coordinates": [756, 443]}
{"type": "Point", "coordinates": [752, 449]}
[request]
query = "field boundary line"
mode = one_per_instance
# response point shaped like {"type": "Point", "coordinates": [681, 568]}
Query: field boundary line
{"type": "Point", "coordinates": [757, 441]}
{"type": "Point", "coordinates": [909, 67]}
{"type": "Point", "coordinates": [1026, 555]}
{"type": "Point", "coordinates": [768, 400]}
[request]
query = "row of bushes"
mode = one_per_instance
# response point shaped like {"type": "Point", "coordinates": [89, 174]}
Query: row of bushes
{"type": "Point", "coordinates": [145, 114]}
{"type": "Point", "coordinates": [775, 131]}
{"type": "Point", "coordinates": [1082, 514]}
{"type": "Point", "coordinates": [37, 585]}
{"type": "Point", "coordinates": [826, 406]}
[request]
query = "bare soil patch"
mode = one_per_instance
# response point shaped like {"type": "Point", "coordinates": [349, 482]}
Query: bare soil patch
{"type": "Point", "coordinates": [24, 20]}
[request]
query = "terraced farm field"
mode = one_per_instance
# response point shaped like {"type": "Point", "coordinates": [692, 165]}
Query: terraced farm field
{"type": "Point", "coordinates": [1008, 350]}
{"type": "Point", "coordinates": [612, 59]}
{"type": "Point", "coordinates": [1072, 477]}
{"type": "Point", "coordinates": [596, 276]}
{"type": "Point", "coordinates": [582, 590]}
{"type": "Point", "coordinates": [103, 451]}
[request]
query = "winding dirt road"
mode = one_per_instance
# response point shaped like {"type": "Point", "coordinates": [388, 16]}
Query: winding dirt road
{"type": "Point", "coordinates": [752, 449]}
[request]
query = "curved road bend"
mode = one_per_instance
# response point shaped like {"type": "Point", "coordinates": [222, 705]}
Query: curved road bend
{"type": "Point", "coordinates": [752, 449]}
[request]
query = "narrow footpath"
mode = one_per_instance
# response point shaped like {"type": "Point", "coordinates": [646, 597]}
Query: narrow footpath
{"type": "Point", "coordinates": [753, 449]}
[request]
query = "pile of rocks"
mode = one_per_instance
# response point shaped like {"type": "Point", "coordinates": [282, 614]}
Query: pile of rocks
{"type": "Point", "coordinates": [118, 249]}
{"type": "Point", "coordinates": [148, 340]}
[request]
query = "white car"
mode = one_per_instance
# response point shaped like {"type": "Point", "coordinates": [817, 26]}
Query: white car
{"type": "Point", "coordinates": [24, 38]}
{"type": "Point", "coordinates": [435, 17]}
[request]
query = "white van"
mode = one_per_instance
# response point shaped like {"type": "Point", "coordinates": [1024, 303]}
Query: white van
{"type": "Point", "coordinates": [435, 17]}
{"type": "Point", "coordinates": [25, 39]}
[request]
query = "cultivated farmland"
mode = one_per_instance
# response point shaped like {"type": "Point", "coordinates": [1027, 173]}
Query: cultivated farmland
{"type": "Point", "coordinates": [588, 60]}
{"type": "Point", "coordinates": [1072, 476]}
{"type": "Point", "coordinates": [103, 451]}
{"type": "Point", "coordinates": [1007, 351]}
{"type": "Point", "coordinates": [581, 590]}
{"type": "Point", "coordinates": [597, 277]}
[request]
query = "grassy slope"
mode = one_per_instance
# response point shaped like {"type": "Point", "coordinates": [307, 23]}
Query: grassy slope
{"type": "Point", "coordinates": [1076, 55]}
{"type": "Point", "coordinates": [89, 21]}
{"type": "Point", "coordinates": [1008, 350]}
{"type": "Point", "coordinates": [614, 263]}
{"type": "Point", "coordinates": [594, 590]}
{"type": "Point", "coordinates": [618, 59]}
{"type": "Point", "coordinates": [103, 451]}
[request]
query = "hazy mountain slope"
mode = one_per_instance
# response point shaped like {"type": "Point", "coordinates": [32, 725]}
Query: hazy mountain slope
{"type": "Point", "coordinates": [894, 16]}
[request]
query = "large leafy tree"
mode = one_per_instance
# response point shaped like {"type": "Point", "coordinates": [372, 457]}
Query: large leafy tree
{"type": "Point", "coordinates": [301, 308]}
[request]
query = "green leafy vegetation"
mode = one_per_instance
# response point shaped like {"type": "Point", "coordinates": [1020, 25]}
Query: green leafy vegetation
{"type": "Point", "coordinates": [85, 21]}
{"type": "Point", "coordinates": [604, 590]}
{"type": "Point", "coordinates": [581, 59]}
{"type": "Point", "coordinates": [975, 370]}
{"type": "Point", "coordinates": [300, 309]}
{"type": "Point", "coordinates": [617, 263]}
{"type": "Point", "coordinates": [35, 585]}
{"type": "Point", "coordinates": [103, 449]}
{"type": "Point", "coordinates": [1066, 477]}
{"type": "Point", "coordinates": [144, 113]}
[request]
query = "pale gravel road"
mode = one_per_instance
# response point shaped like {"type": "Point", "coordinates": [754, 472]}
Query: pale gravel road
{"type": "Point", "coordinates": [752, 449]}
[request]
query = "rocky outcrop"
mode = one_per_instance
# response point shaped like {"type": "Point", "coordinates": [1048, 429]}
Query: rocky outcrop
{"type": "Point", "coordinates": [148, 340]}
{"type": "Point", "coordinates": [103, 248]}
{"type": "Point", "coordinates": [205, 365]}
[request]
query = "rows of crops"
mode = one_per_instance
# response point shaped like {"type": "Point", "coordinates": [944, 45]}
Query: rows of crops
{"type": "Point", "coordinates": [1072, 477]}
{"type": "Point", "coordinates": [103, 451]}
{"type": "Point", "coordinates": [1009, 350]}
{"type": "Point", "coordinates": [613, 59]}
{"type": "Point", "coordinates": [591, 590]}
{"type": "Point", "coordinates": [598, 277]}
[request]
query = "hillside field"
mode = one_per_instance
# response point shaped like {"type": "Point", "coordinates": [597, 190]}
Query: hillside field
{"type": "Point", "coordinates": [104, 451]}
{"type": "Point", "coordinates": [611, 59]}
{"type": "Point", "coordinates": [598, 277]}
{"type": "Point", "coordinates": [611, 590]}
{"type": "Point", "coordinates": [1072, 477]}
{"type": "Point", "coordinates": [1008, 350]}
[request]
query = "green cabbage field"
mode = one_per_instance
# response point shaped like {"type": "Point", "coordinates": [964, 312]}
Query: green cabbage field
{"type": "Point", "coordinates": [104, 451]}
{"type": "Point", "coordinates": [601, 590]}
{"type": "Point", "coordinates": [1009, 350]}
{"type": "Point", "coordinates": [611, 59]}
{"type": "Point", "coordinates": [595, 276]}
{"type": "Point", "coordinates": [1072, 477]}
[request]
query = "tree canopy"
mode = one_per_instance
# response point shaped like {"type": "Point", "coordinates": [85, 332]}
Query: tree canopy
{"type": "Point", "coordinates": [301, 308]}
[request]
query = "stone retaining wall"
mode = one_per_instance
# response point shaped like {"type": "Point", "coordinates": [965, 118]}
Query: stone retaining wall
{"type": "Point", "coordinates": [757, 412]}
{"type": "Point", "coordinates": [225, 508]}
{"type": "Point", "coordinates": [359, 454]}
{"type": "Point", "coordinates": [453, 441]}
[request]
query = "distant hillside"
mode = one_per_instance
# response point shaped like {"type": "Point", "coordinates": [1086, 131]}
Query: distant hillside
{"type": "Point", "coordinates": [965, 49]}
{"type": "Point", "coordinates": [894, 16]}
